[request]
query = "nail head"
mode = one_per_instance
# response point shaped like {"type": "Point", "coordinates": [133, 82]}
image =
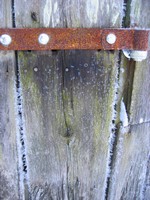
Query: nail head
{"type": "Point", "coordinates": [5, 39]}
{"type": "Point", "coordinates": [43, 38]}
{"type": "Point", "coordinates": [111, 38]}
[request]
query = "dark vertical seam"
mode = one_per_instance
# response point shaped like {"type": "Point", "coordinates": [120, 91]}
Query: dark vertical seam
{"type": "Point", "coordinates": [115, 131]}
{"type": "Point", "coordinates": [21, 146]}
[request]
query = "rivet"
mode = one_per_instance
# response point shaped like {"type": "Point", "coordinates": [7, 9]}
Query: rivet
{"type": "Point", "coordinates": [111, 38]}
{"type": "Point", "coordinates": [5, 39]}
{"type": "Point", "coordinates": [43, 38]}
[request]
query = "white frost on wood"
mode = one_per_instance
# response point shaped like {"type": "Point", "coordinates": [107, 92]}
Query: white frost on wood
{"type": "Point", "coordinates": [123, 115]}
{"type": "Point", "coordinates": [92, 9]}
{"type": "Point", "coordinates": [112, 130]}
{"type": "Point", "coordinates": [20, 134]}
{"type": "Point", "coordinates": [47, 13]}
{"type": "Point", "coordinates": [138, 55]}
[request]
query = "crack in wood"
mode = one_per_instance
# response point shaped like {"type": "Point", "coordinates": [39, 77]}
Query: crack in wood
{"type": "Point", "coordinates": [125, 21]}
{"type": "Point", "coordinates": [139, 124]}
{"type": "Point", "coordinates": [65, 100]}
{"type": "Point", "coordinates": [21, 147]}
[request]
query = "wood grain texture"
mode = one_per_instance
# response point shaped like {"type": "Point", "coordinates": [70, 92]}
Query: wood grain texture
{"type": "Point", "coordinates": [9, 189]}
{"type": "Point", "coordinates": [140, 106]}
{"type": "Point", "coordinates": [68, 102]}
{"type": "Point", "coordinates": [131, 165]}
{"type": "Point", "coordinates": [131, 172]}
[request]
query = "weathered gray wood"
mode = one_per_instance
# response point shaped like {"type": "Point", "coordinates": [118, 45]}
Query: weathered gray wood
{"type": "Point", "coordinates": [140, 107]}
{"type": "Point", "coordinates": [68, 102]}
{"type": "Point", "coordinates": [131, 172]}
{"type": "Point", "coordinates": [9, 189]}
{"type": "Point", "coordinates": [131, 165]}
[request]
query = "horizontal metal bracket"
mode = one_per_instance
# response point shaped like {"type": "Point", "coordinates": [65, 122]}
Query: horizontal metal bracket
{"type": "Point", "coordinates": [73, 38]}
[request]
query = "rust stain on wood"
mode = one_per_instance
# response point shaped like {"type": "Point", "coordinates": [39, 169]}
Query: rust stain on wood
{"type": "Point", "coordinates": [76, 38]}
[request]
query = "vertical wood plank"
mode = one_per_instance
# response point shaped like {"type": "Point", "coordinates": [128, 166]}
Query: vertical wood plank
{"type": "Point", "coordinates": [9, 188]}
{"type": "Point", "coordinates": [131, 170]}
{"type": "Point", "coordinates": [68, 102]}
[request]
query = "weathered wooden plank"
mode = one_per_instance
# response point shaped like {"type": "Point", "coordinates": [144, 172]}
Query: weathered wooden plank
{"type": "Point", "coordinates": [131, 172]}
{"type": "Point", "coordinates": [141, 17]}
{"type": "Point", "coordinates": [9, 188]}
{"type": "Point", "coordinates": [131, 165]}
{"type": "Point", "coordinates": [68, 102]}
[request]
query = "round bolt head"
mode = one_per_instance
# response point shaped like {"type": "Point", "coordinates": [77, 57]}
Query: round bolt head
{"type": "Point", "coordinates": [5, 39]}
{"type": "Point", "coordinates": [111, 38]}
{"type": "Point", "coordinates": [43, 38]}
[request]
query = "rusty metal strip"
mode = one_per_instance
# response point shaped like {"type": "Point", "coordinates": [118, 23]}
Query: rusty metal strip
{"type": "Point", "coordinates": [75, 38]}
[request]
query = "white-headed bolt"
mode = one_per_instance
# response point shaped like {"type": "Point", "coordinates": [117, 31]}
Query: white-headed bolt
{"type": "Point", "coordinates": [5, 40]}
{"type": "Point", "coordinates": [43, 38]}
{"type": "Point", "coordinates": [111, 38]}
